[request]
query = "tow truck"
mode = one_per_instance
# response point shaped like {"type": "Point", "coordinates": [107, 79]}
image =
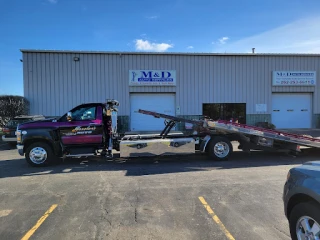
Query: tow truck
{"type": "Point", "coordinates": [91, 130]}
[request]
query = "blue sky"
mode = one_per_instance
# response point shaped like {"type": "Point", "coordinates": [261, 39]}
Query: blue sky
{"type": "Point", "coordinates": [141, 25]}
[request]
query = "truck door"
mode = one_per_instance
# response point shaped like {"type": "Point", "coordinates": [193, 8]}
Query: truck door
{"type": "Point", "coordinates": [85, 126]}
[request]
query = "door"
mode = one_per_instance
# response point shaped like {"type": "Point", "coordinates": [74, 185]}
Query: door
{"type": "Point", "coordinates": [84, 128]}
{"type": "Point", "coordinates": [158, 102]}
{"type": "Point", "coordinates": [291, 110]}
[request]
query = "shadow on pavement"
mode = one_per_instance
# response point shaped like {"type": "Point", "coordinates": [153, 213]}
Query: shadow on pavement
{"type": "Point", "coordinates": [6, 146]}
{"type": "Point", "coordinates": [152, 166]}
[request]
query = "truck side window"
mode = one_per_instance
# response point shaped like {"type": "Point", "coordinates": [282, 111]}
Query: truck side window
{"type": "Point", "coordinates": [82, 114]}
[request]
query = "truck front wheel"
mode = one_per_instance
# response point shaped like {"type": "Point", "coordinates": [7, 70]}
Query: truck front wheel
{"type": "Point", "coordinates": [220, 148]}
{"type": "Point", "coordinates": [39, 154]}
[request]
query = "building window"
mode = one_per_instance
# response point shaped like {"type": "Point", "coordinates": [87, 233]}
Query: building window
{"type": "Point", "coordinates": [225, 111]}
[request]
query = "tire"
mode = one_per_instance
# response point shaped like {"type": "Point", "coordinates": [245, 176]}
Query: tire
{"type": "Point", "coordinates": [305, 210]}
{"type": "Point", "coordinates": [215, 148]}
{"type": "Point", "coordinates": [42, 154]}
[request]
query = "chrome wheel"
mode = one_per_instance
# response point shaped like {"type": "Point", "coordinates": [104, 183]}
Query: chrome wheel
{"type": "Point", "coordinates": [221, 149]}
{"type": "Point", "coordinates": [307, 229]}
{"type": "Point", "coordinates": [38, 155]}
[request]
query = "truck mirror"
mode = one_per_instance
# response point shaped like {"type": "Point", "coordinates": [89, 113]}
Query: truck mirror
{"type": "Point", "coordinates": [69, 116]}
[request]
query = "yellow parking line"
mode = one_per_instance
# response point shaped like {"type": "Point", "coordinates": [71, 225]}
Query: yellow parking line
{"type": "Point", "coordinates": [40, 221]}
{"type": "Point", "coordinates": [216, 219]}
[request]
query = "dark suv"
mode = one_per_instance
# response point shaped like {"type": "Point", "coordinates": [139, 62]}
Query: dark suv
{"type": "Point", "coordinates": [301, 197]}
{"type": "Point", "coordinates": [10, 128]}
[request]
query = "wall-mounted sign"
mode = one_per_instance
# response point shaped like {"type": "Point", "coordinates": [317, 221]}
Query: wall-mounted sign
{"type": "Point", "coordinates": [261, 107]}
{"type": "Point", "coordinates": [294, 78]}
{"type": "Point", "coordinates": [152, 78]}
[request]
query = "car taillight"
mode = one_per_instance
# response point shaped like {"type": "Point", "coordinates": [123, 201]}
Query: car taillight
{"type": "Point", "coordinates": [6, 130]}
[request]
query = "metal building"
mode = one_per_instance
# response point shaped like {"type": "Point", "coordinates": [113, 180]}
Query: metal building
{"type": "Point", "coordinates": [279, 88]}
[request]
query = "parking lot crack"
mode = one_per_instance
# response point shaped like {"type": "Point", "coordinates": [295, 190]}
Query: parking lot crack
{"type": "Point", "coordinates": [107, 219]}
{"type": "Point", "coordinates": [135, 215]}
{"type": "Point", "coordinates": [279, 230]}
{"type": "Point", "coordinates": [103, 226]}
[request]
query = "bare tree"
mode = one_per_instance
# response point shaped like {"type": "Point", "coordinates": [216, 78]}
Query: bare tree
{"type": "Point", "coordinates": [11, 106]}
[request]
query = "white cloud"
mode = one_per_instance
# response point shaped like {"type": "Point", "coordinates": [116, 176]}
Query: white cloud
{"type": "Point", "coordinates": [190, 47]}
{"type": "Point", "coordinates": [145, 45]}
{"type": "Point", "coordinates": [53, 1]}
{"type": "Point", "coordinates": [301, 36]}
{"type": "Point", "coordinates": [152, 17]}
{"type": "Point", "coordinates": [223, 40]}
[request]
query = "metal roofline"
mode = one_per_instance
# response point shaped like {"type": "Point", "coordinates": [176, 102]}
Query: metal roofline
{"type": "Point", "coordinates": [166, 53]}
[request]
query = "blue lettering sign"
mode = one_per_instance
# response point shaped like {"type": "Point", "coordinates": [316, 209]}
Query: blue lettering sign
{"type": "Point", "coordinates": [152, 77]}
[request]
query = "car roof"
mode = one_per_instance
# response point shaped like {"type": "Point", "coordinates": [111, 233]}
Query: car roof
{"type": "Point", "coordinates": [312, 167]}
{"type": "Point", "coordinates": [315, 164]}
{"type": "Point", "coordinates": [28, 116]}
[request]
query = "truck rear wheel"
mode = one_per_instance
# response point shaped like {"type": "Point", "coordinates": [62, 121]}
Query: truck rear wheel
{"type": "Point", "coordinates": [39, 154]}
{"type": "Point", "coordinates": [220, 148]}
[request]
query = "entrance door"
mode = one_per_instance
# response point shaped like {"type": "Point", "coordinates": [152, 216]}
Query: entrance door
{"type": "Point", "coordinates": [291, 110]}
{"type": "Point", "coordinates": [85, 127]}
{"type": "Point", "coordinates": [159, 102]}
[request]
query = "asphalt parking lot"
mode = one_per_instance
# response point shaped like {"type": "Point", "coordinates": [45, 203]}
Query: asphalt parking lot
{"type": "Point", "coordinates": [170, 198]}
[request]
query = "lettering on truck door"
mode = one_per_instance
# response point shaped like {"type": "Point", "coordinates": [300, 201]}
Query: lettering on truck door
{"type": "Point", "coordinates": [85, 126]}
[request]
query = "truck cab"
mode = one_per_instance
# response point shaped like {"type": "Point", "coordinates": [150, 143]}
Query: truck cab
{"type": "Point", "coordinates": [86, 130]}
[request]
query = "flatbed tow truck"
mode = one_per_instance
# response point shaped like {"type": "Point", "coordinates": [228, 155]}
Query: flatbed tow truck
{"type": "Point", "coordinates": [91, 130]}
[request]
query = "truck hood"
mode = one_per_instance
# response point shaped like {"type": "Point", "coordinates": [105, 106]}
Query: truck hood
{"type": "Point", "coordinates": [49, 122]}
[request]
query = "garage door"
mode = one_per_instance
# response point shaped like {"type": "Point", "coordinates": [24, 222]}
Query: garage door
{"type": "Point", "coordinates": [162, 103]}
{"type": "Point", "coordinates": [291, 110]}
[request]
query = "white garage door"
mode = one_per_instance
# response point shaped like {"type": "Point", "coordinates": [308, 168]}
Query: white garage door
{"type": "Point", "coordinates": [160, 102]}
{"type": "Point", "coordinates": [291, 110]}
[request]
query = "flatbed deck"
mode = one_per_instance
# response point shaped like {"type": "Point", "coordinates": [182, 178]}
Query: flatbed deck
{"type": "Point", "coordinates": [227, 127]}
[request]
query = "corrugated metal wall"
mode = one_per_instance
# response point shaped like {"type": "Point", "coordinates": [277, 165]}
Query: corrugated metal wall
{"type": "Point", "coordinates": [54, 83]}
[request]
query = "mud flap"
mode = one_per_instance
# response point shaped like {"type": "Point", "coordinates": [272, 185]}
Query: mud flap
{"type": "Point", "coordinates": [244, 143]}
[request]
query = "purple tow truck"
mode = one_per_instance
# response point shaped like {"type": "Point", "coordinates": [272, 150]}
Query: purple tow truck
{"type": "Point", "coordinates": [86, 130]}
